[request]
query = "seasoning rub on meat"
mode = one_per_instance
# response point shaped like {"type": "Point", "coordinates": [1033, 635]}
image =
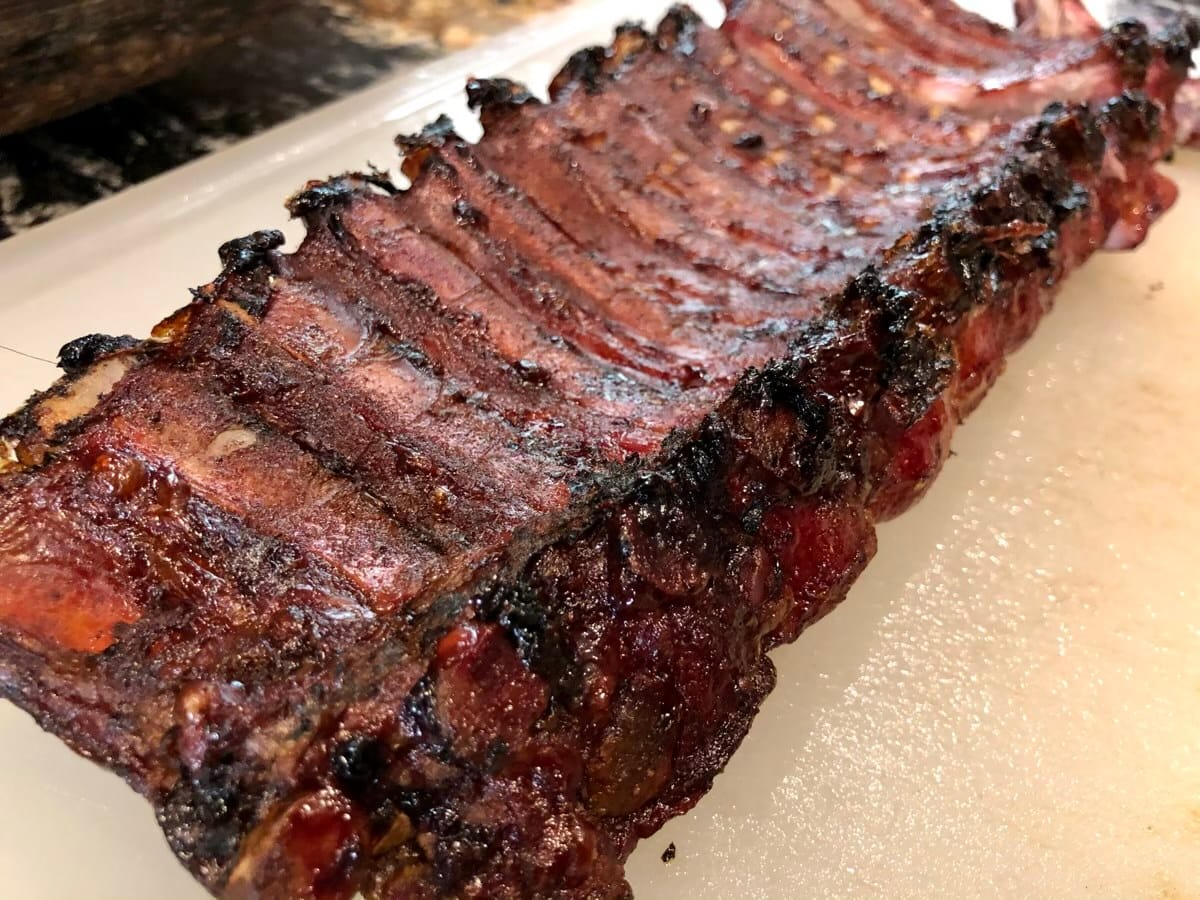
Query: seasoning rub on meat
{"type": "Point", "coordinates": [441, 557]}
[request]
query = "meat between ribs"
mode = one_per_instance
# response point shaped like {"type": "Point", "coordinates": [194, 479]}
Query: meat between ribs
{"type": "Point", "coordinates": [441, 557]}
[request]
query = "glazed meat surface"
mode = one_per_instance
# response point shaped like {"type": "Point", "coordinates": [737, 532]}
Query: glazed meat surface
{"type": "Point", "coordinates": [441, 557]}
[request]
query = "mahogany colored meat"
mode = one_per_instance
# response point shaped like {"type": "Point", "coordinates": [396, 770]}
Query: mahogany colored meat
{"type": "Point", "coordinates": [441, 557]}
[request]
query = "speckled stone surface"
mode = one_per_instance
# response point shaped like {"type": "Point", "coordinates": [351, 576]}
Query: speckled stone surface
{"type": "Point", "coordinates": [320, 51]}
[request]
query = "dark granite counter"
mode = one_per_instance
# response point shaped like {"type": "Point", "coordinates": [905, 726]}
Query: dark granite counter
{"type": "Point", "coordinates": [317, 52]}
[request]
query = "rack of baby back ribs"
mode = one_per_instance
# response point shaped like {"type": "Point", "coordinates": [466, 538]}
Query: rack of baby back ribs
{"type": "Point", "coordinates": [441, 556]}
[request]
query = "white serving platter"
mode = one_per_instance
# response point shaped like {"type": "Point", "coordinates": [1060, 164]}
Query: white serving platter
{"type": "Point", "coordinates": [1008, 705]}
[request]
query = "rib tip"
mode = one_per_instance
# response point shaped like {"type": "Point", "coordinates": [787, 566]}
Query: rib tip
{"type": "Point", "coordinates": [485, 94]}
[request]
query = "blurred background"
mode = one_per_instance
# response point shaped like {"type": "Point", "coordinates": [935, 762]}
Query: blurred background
{"type": "Point", "coordinates": [97, 95]}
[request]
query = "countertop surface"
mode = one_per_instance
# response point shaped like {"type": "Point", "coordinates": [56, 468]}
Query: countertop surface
{"type": "Point", "coordinates": [319, 51]}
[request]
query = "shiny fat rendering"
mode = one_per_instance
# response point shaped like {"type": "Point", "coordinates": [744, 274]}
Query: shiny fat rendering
{"type": "Point", "coordinates": [441, 557]}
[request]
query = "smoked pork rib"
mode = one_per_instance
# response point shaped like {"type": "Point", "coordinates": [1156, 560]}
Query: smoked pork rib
{"type": "Point", "coordinates": [441, 556]}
